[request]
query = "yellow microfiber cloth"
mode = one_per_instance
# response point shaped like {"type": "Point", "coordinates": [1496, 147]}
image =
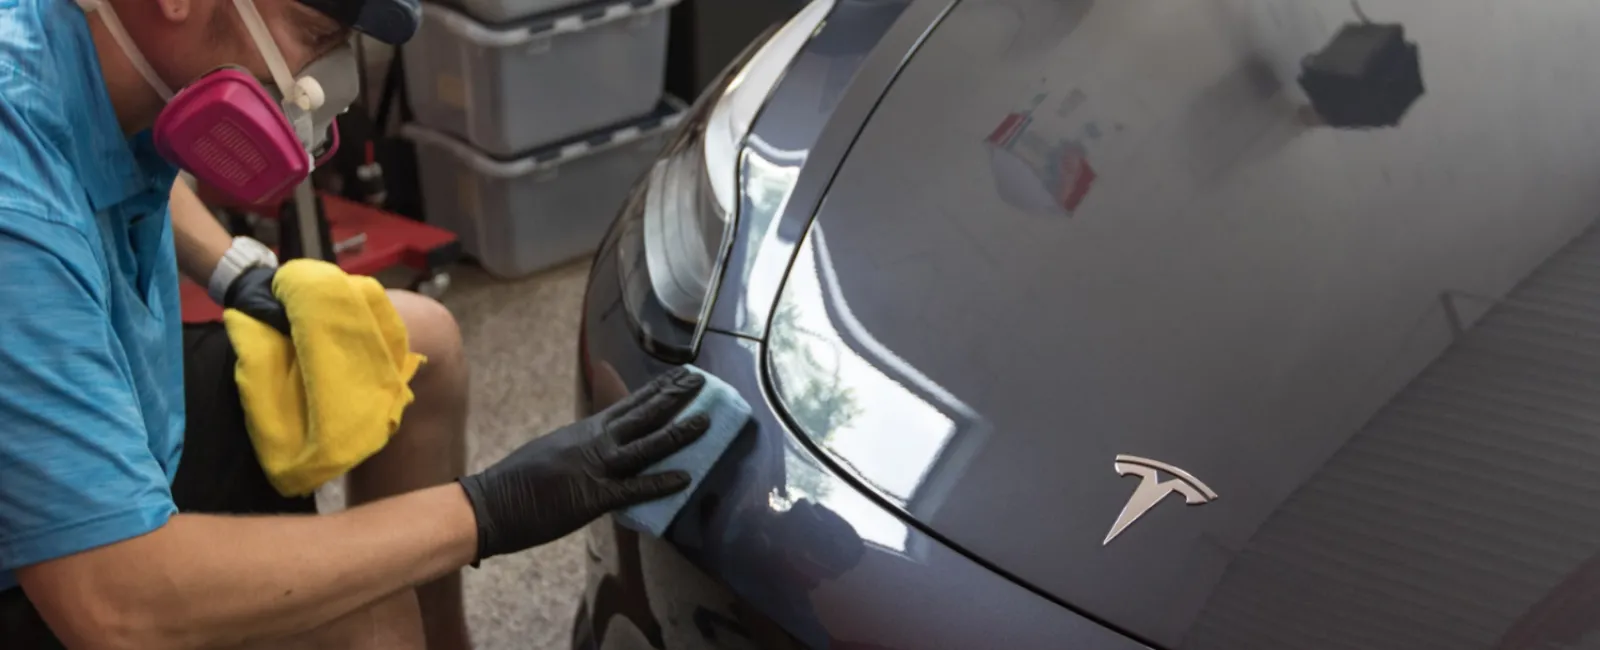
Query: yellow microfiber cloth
{"type": "Point", "coordinates": [321, 404]}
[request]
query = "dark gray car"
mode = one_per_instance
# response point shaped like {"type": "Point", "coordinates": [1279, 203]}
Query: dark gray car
{"type": "Point", "coordinates": [1202, 324]}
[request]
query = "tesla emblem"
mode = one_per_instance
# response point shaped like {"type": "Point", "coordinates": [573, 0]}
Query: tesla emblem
{"type": "Point", "coordinates": [1152, 489]}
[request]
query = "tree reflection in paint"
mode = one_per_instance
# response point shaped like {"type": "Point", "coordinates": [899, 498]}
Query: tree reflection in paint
{"type": "Point", "coordinates": [807, 365]}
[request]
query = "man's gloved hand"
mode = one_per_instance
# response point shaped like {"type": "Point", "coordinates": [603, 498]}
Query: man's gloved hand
{"type": "Point", "coordinates": [251, 293]}
{"type": "Point", "coordinates": [558, 483]}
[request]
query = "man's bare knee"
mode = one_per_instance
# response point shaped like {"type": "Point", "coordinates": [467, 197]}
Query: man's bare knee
{"type": "Point", "coordinates": [430, 446]}
{"type": "Point", "coordinates": [441, 383]}
{"type": "Point", "coordinates": [431, 327]}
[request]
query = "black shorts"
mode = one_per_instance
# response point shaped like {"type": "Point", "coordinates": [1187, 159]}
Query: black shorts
{"type": "Point", "coordinates": [218, 472]}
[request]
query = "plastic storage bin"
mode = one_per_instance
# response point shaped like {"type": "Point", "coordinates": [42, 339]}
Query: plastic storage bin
{"type": "Point", "coordinates": [529, 214]}
{"type": "Point", "coordinates": [513, 88]}
{"type": "Point", "coordinates": [505, 11]}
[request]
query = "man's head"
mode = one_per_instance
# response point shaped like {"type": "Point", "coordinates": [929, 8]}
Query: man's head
{"type": "Point", "coordinates": [185, 39]}
{"type": "Point", "coordinates": [185, 67]}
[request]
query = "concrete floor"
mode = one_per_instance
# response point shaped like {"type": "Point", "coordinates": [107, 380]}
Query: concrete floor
{"type": "Point", "coordinates": [521, 342]}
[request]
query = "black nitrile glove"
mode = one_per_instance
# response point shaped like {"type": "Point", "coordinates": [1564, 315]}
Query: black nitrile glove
{"type": "Point", "coordinates": [557, 484]}
{"type": "Point", "coordinates": [251, 293]}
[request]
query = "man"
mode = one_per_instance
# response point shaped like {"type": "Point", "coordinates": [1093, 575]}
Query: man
{"type": "Point", "coordinates": [121, 435]}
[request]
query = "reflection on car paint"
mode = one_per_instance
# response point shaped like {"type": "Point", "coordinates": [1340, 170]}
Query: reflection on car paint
{"type": "Point", "coordinates": [860, 401]}
{"type": "Point", "coordinates": [1028, 26]}
{"type": "Point", "coordinates": [818, 546]}
{"type": "Point", "coordinates": [1042, 151]}
{"type": "Point", "coordinates": [785, 541]}
{"type": "Point", "coordinates": [767, 179]}
{"type": "Point", "coordinates": [1564, 617]}
{"type": "Point", "coordinates": [1379, 345]}
{"type": "Point", "coordinates": [1368, 75]}
{"type": "Point", "coordinates": [779, 143]}
{"type": "Point", "coordinates": [684, 593]}
{"type": "Point", "coordinates": [1247, 115]}
{"type": "Point", "coordinates": [1239, 296]}
{"type": "Point", "coordinates": [1037, 174]}
{"type": "Point", "coordinates": [1448, 511]}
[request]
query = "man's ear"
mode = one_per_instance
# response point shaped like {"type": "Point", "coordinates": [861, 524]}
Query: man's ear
{"type": "Point", "coordinates": [175, 10]}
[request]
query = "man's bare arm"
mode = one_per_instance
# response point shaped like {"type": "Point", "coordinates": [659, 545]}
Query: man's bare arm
{"type": "Point", "coordinates": [205, 581]}
{"type": "Point", "coordinates": [199, 238]}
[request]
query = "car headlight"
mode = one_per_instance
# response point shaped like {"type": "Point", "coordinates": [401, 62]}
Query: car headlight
{"type": "Point", "coordinates": [675, 232]}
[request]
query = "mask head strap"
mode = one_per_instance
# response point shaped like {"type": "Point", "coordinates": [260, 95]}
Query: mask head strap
{"type": "Point", "coordinates": [304, 93]}
{"type": "Point", "coordinates": [124, 41]}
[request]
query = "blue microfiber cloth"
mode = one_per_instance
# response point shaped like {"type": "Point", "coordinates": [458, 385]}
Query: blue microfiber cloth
{"type": "Point", "coordinates": [728, 413]}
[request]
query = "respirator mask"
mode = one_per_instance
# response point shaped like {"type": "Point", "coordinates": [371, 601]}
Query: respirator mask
{"type": "Point", "coordinates": [233, 134]}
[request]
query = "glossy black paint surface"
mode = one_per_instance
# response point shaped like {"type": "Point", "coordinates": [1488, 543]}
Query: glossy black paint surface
{"type": "Point", "coordinates": [1380, 347]}
{"type": "Point", "coordinates": [1077, 229]}
{"type": "Point", "coordinates": [776, 551]}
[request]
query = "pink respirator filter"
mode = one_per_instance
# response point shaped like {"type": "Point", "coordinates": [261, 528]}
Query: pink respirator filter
{"type": "Point", "coordinates": [228, 132]}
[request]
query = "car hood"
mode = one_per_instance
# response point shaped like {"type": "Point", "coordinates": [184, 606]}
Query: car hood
{"type": "Point", "coordinates": [1076, 232]}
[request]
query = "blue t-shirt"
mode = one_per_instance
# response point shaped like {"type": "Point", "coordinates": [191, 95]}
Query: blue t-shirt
{"type": "Point", "coordinates": [91, 352]}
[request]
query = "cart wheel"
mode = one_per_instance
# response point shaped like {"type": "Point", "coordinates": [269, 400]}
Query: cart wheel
{"type": "Point", "coordinates": [432, 285]}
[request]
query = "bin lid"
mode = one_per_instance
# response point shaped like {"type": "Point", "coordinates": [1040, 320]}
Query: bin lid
{"type": "Point", "coordinates": [558, 21]}
{"type": "Point", "coordinates": [667, 115]}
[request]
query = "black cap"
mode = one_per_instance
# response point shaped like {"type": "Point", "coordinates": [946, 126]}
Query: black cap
{"type": "Point", "coordinates": [391, 21]}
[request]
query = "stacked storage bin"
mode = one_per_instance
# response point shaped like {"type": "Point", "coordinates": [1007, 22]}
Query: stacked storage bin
{"type": "Point", "coordinates": [533, 118]}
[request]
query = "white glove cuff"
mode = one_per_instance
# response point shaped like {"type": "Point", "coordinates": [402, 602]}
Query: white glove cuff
{"type": "Point", "coordinates": [243, 255]}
